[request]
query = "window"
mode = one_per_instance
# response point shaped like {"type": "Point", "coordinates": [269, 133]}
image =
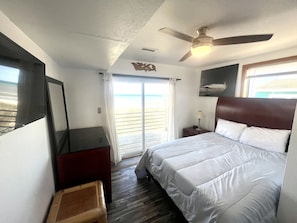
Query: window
{"type": "Point", "coordinates": [141, 110]}
{"type": "Point", "coordinates": [271, 79]}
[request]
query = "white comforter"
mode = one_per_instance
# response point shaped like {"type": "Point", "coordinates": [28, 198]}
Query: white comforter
{"type": "Point", "coordinates": [214, 179]}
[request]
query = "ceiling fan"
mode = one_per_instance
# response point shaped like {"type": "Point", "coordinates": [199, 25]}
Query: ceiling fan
{"type": "Point", "coordinates": [203, 43]}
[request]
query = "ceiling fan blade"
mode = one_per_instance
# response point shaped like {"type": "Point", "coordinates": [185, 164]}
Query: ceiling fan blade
{"type": "Point", "coordinates": [186, 56]}
{"type": "Point", "coordinates": [241, 39]}
{"type": "Point", "coordinates": [176, 34]}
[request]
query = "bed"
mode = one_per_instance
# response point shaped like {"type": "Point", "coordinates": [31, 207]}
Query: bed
{"type": "Point", "coordinates": [233, 174]}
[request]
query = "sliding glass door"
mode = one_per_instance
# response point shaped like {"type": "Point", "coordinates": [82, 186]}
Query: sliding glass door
{"type": "Point", "coordinates": [140, 114]}
{"type": "Point", "coordinates": [128, 117]}
{"type": "Point", "coordinates": [155, 113]}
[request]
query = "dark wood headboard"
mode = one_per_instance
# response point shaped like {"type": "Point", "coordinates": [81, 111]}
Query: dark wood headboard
{"type": "Point", "coordinates": [260, 112]}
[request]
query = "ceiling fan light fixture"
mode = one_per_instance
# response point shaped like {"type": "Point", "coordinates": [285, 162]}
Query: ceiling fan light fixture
{"type": "Point", "coordinates": [201, 50]}
{"type": "Point", "coordinates": [201, 46]}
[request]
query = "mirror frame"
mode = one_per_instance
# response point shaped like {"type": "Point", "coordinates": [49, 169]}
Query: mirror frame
{"type": "Point", "coordinates": [56, 146]}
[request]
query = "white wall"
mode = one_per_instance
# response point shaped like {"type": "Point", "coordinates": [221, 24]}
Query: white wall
{"type": "Point", "coordinates": [84, 94]}
{"type": "Point", "coordinates": [185, 88]}
{"type": "Point", "coordinates": [26, 182]}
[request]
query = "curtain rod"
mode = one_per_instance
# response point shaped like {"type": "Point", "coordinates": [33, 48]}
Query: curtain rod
{"type": "Point", "coordinates": [136, 76]}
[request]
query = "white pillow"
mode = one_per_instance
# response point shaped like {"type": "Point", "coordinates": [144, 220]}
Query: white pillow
{"type": "Point", "coordinates": [230, 129]}
{"type": "Point", "coordinates": [269, 139]}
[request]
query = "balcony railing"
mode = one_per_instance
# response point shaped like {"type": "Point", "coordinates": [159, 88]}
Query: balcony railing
{"type": "Point", "coordinates": [7, 120]}
{"type": "Point", "coordinates": [129, 130]}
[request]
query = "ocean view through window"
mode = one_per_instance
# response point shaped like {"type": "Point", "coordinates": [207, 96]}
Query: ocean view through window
{"type": "Point", "coordinates": [141, 110]}
{"type": "Point", "coordinates": [8, 98]}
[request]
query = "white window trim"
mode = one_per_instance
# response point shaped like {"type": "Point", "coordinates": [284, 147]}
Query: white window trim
{"type": "Point", "coordinates": [246, 67]}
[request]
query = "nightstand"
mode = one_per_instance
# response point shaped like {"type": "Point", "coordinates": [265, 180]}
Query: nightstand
{"type": "Point", "coordinates": [190, 131]}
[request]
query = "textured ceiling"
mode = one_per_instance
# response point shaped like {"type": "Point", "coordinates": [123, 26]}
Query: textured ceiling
{"type": "Point", "coordinates": [93, 34]}
{"type": "Point", "coordinates": [87, 34]}
{"type": "Point", "coordinates": [224, 19]}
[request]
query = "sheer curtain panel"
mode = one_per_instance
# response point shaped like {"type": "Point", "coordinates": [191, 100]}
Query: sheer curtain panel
{"type": "Point", "coordinates": [172, 132]}
{"type": "Point", "coordinates": [109, 118]}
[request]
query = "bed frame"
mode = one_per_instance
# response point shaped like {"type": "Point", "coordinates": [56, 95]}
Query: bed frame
{"type": "Point", "coordinates": [260, 112]}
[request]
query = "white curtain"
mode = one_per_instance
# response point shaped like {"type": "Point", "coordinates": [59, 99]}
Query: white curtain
{"type": "Point", "coordinates": [109, 118]}
{"type": "Point", "coordinates": [172, 132]}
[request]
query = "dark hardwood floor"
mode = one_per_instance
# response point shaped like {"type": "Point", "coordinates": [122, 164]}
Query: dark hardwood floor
{"type": "Point", "coordinates": [139, 201]}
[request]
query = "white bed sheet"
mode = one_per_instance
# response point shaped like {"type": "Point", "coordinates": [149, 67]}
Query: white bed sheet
{"type": "Point", "coordinates": [215, 179]}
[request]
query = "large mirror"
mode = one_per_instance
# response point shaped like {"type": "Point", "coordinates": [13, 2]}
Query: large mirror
{"type": "Point", "coordinates": [57, 112]}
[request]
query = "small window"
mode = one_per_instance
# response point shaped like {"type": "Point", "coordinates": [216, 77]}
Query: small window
{"type": "Point", "coordinates": [271, 79]}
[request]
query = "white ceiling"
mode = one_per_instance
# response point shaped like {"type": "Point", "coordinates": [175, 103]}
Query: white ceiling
{"type": "Point", "coordinates": [93, 34]}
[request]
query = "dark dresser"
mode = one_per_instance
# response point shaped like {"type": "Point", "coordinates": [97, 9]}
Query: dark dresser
{"type": "Point", "coordinates": [85, 157]}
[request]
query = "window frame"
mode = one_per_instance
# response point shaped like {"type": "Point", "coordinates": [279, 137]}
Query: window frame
{"type": "Point", "coordinates": [246, 67]}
